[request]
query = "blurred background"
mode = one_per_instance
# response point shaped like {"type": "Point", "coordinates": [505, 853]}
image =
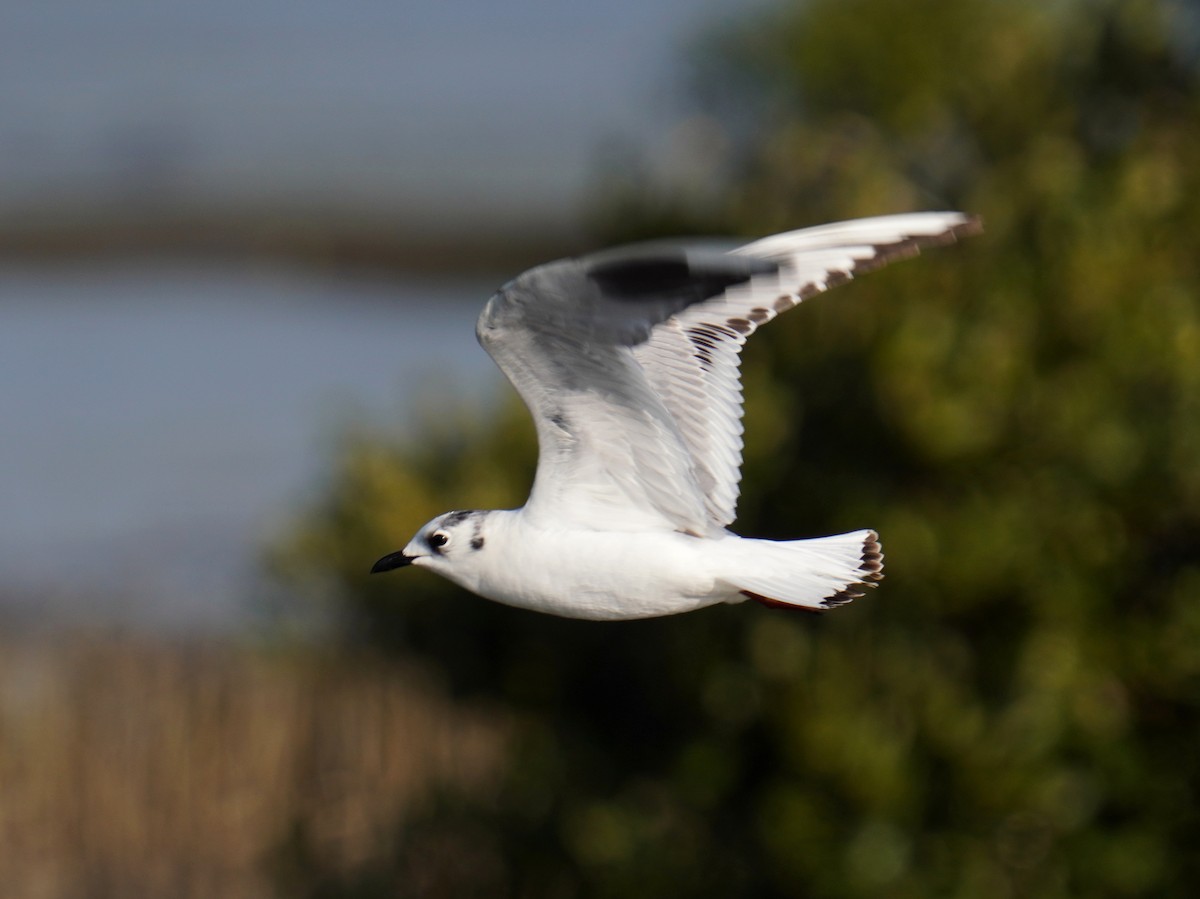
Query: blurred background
{"type": "Point", "coordinates": [242, 247]}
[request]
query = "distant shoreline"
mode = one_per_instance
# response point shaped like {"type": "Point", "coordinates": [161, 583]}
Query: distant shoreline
{"type": "Point", "coordinates": [323, 239]}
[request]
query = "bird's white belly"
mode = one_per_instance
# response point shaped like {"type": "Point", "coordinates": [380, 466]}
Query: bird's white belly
{"type": "Point", "coordinates": [606, 575]}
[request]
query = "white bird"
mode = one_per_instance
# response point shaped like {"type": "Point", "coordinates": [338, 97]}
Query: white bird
{"type": "Point", "coordinates": [628, 362]}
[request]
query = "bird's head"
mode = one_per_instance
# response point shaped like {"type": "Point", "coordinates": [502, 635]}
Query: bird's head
{"type": "Point", "coordinates": [448, 545]}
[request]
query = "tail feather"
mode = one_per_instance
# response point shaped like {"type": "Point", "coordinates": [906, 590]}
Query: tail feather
{"type": "Point", "coordinates": [810, 575]}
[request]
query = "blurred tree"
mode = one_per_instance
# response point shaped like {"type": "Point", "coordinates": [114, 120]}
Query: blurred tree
{"type": "Point", "coordinates": [1014, 712]}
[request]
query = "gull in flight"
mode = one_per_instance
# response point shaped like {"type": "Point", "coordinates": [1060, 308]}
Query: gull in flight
{"type": "Point", "coordinates": [628, 361]}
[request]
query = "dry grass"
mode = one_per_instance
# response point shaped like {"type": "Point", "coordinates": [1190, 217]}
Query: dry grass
{"type": "Point", "coordinates": [130, 769]}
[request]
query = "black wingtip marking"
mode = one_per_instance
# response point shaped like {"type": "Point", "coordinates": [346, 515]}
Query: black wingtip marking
{"type": "Point", "coordinates": [885, 254]}
{"type": "Point", "coordinates": [836, 278]}
{"type": "Point", "coordinates": [970, 228]}
{"type": "Point", "coordinates": [907, 247]}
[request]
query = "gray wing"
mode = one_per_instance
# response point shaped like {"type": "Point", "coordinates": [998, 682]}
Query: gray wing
{"type": "Point", "coordinates": [628, 362]}
{"type": "Point", "coordinates": [611, 454]}
{"type": "Point", "coordinates": [691, 359]}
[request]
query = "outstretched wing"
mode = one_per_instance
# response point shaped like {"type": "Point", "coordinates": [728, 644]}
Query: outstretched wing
{"type": "Point", "coordinates": [628, 362]}
{"type": "Point", "coordinates": [691, 359]}
{"type": "Point", "coordinates": [611, 455]}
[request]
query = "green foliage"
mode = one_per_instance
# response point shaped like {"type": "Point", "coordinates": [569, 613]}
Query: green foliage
{"type": "Point", "coordinates": [1014, 711]}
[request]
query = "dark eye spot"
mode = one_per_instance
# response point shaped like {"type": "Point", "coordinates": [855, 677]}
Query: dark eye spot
{"type": "Point", "coordinates": [438, 540]}
{"type": "Point", "coordinates": [476, 543]}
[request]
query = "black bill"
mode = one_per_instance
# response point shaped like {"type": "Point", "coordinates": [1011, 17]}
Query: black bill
{"type": "Point", "coordinates": [390, 561]}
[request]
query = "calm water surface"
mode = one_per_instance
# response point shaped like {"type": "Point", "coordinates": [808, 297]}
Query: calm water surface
{"type": "Point", "coordinates": [158, 421]}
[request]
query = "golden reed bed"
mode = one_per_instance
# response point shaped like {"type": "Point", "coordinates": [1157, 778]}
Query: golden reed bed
{"type": "Point", "coordinates": [130, 768]}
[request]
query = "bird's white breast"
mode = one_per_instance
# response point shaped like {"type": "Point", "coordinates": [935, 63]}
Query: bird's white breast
{"type": "Point", "coordinates": [597, 574]}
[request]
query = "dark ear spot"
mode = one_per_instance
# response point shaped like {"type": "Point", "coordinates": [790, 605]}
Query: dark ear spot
{"type": "Point", "coordinates": [476, 543]}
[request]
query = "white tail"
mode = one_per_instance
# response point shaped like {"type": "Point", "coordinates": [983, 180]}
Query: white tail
{"type": "Point", "coordinates": [812, 575]}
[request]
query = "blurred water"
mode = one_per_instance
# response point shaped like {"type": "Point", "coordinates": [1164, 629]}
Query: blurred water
{"type": "Point", "coordinates": [156, 420]}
